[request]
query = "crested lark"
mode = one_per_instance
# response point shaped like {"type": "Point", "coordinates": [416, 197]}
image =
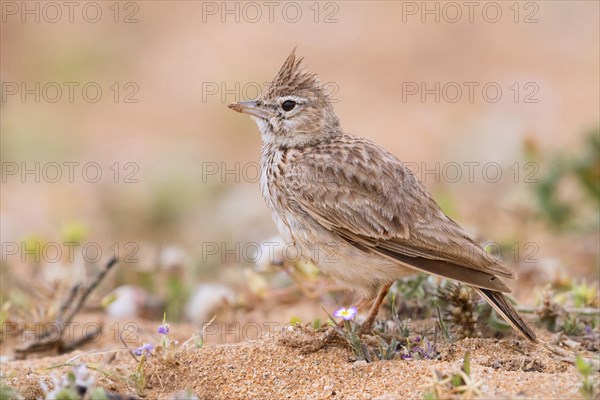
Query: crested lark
{"type": "Point", "coordinates": [329, 189]}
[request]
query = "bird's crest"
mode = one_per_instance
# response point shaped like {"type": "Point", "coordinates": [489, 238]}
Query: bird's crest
{"type": "Point", "coordinates": [294, 78]}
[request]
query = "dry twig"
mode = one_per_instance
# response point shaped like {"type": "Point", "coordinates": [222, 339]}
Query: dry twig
{"type": "Point", "coordinates": [74, 301]}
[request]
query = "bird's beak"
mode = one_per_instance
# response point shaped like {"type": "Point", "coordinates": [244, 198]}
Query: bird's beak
{"type": "Point", "coordinates": [249, 107]}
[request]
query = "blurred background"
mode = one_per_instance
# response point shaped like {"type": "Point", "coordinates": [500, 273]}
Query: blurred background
{"type": "Point", "coordinates": [115, 134]}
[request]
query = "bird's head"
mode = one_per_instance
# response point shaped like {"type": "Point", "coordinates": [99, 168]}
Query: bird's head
{"type": "Point", "coordinates": [295, 110]}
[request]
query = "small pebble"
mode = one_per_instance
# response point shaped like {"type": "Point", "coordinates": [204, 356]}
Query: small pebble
{"type": "Point", "coordinates": [359, 363]}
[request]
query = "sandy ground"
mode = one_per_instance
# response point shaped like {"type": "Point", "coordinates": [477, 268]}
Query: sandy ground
{"type": "Point", "coordinates": [268, 368]}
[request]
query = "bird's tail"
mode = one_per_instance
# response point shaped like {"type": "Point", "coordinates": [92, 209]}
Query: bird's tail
{"type": "Point", "coordinates": [507, 311]}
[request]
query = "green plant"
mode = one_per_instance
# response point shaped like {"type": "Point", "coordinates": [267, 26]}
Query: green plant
{"type": "Point", "coordinates": [583, 168]}
{"type": "Point", "coordinates": [584, 295]}
{"type": "Point", "coordinates": [77, 384]}
{"type": "Point", "coordinates": [580, 322]}
{"type": "Point", "coordinates": [549, 312]}
{"type": "Point", "coordinates": [589, 386]}
{"type": "Point", "coordinates": [460, 309]}
{"type": "Point", "coordinates": [573, 326]}
{"type": "Point", "coordinates": [7, 392]}
{"type": "Point", "coordinates": [392, 341]}
{"type": "Point", "coordinates": [350, 332]}
{"type": "Point", "coordinates": [413, 297]}
{"type": "Point", "coordinates": [587, 166]}
{"type": "Point", "coordinates": [199, 338]}
{"type": "Point", "coordinates": [463, 314]}
{"type": "Point", "coordinates": [317, 323]}
{"type": "Point", "coordinates": [138, 378]}
{"type": "Point", "coordinates": [442, 385]}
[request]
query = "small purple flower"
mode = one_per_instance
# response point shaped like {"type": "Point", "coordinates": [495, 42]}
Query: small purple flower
{"type": "Point", "coordinates": [346, 313]}
{"type": "Point", "coordinates": [430, 352]}
{"type": "Point", "coordinates": [163, 329]}
{"type": "Point", "coordinates": [145, 348]}
{"type": "Point", "coordinates": [588, 329]}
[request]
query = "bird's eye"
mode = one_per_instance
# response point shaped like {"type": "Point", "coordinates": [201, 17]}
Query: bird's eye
{"type": "Point", "coordinates": [288, 105]}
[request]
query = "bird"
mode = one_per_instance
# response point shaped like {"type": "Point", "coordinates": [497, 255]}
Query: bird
{"type": "Point", "coordinates": [353, 208]}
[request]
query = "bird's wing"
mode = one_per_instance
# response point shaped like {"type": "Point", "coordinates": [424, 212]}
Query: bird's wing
{"type": "Point", "coordinates": [369, 198]}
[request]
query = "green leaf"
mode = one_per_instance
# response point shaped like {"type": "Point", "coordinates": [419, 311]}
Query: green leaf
{"type": "Point", "coordinates": [583, 366]}
{"type": "Point", "coordinates": [466, 367]}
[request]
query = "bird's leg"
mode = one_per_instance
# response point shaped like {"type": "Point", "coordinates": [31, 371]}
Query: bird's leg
{"type": "Point", "coordinates": [368, 324]}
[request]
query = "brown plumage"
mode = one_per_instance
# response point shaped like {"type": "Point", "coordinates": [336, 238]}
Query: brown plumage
{"type": "Point", "coordinates": [353, 208]}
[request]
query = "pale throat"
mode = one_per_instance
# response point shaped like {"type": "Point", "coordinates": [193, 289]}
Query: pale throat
{"type": "Point", "coordinates": [263, 126]}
